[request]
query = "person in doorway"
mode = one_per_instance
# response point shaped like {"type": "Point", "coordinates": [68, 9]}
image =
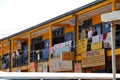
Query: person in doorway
{"type": "Point", "coordinates": [89, 31]}
{"type": "Point", "coordinates": [94, 32]}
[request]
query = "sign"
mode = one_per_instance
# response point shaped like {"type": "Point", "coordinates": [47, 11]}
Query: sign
{"type": "Point", "coordinates": [33, 67]}
{"type": "Point", "coordinates": [57, 64]}
{"type": "Point", "coordinates": [82, 46]}
{"type": "Point", "coordinates": [45, 67]}
{"type": "Point", "coordinates": [19, 70]}
{"type": "Point", "coordinates": [67, 55]}
{"type": "Point", "coordinates": [93, 58]}
{"type": "Point", "coordinates": [62, 47]}
{"type": "Point", "coordinates": [42, 67]}
{"type": "Point", "coordinates": [95, 39]}
{"type": "Point", "coordinates": [109, 16]}
{"type": "Point", "coordinates": [77, 67]}
{"type": "Point", "coordinates": [96, 45]}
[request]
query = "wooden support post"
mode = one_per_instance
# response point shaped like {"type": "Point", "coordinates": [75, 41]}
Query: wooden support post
{"type": "Point", "coordinates": [11, 54]}
{"type": "Point", "coordinates": [50, 37]}
{"type": "Point", "coordinates": [29, 50]}
{"type": "Point", "coordinates": [1, 53]}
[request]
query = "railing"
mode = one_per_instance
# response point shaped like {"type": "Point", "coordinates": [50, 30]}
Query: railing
{"type": "Point", "coordinates": [100, 76]}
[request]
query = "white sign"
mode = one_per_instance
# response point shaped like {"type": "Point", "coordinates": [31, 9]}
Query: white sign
{"type": "Point", "coordinates": [57, 64]}
{"type": "Point", "coordinates": [112, 16]}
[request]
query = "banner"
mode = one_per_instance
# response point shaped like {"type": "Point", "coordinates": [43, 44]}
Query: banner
{"type": "Point", "coordinates": [67, 56]}
{"type": "Point", "coordinates": [95, 39]}
{"type": "Point", "coordinates": [57, 64]}
{"type": "Point", "coordinates": [32, 67]}
{"type": "Point", "coordinates": [42, 67]}
{"type": "Point", "coordinates": [93, 58]}
{"type": "Point", "coordinates": [77, 67]}
{"type": "Point", "coordinates": [82, 46]}
{"type": "Point", "coordinates": [96, 45]}
{"type": "Point", "coordinates": [107, 41]}
{"type": "Point", "coordinates": [45, 67]}
{"type": "Point", "coordinates": [62, 47]}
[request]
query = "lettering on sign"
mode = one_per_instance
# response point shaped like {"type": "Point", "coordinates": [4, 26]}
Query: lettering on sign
{"type": "Point", "coordinates": [57, 64]}
{"type": "Point", "coordinates": [93, 58]}
{"type": "Point", "coordinates": [82, 46]}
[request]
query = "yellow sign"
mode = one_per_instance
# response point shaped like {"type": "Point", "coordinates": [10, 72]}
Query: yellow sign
{"type": "Point", "coordinates": [82, 46]}
{"type": "Point", "coordinates": [96, 45]}
{"type": "Point", "coordinates": [67, 55]}
{"type": "Point", "coordinates": [93, 58]}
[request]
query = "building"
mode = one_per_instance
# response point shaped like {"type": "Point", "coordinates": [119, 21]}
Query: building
{"type": "Point", "coordinates": [65, 43]}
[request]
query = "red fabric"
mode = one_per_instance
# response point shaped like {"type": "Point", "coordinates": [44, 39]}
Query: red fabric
{"type": "Point", "coordinates": [104, 36]}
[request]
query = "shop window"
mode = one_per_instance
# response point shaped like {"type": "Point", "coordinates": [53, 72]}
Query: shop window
{"type": "Point", "coordinates": [117, 36]}
{"type": "Point", "coordinates": [58, 36]}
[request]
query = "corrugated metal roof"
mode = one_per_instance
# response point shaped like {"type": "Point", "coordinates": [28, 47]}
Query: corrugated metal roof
{"type": "Point", "coordinates": [56, 18]}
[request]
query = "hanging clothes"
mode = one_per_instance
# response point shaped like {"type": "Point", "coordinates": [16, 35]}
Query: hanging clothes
{"type": "Point", "coordinates": [68, 36]}
{"type": "Point", "coordinates": [99, 29]}
{"type": "Point", "coordinates": [83, 34]}
{"type": "Point", "coordinates": [106, 27]}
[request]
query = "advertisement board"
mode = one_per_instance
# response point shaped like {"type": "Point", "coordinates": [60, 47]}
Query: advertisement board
{"type": "Point", "coordinates": [93, 58]}
{"type": "Point", "coordinates": [77, 67]}
{"type": "Point", "coordinates": [82, 46]}
{"type": "Point", "coordinates": [57, 64]}
{"type": "Point", "coordinates": [42, 67]}
{"type": "Point", "coordinates": [96, 45]}
{"type": "Point", "coordinates": [67, 56]}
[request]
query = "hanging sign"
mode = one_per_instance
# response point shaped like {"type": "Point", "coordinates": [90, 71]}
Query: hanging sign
{"type": "Point", "coordinates": [93, 58]}
{"type": "Point", "coordinates": [82, 46]}
{"type": "Point", "coordinates": [67, 56]}
{"type": "Point", "coordinates": [77, 67]}
{"type": "Point", "coordinates": [57, 64]}
{"type": "Point", "coordinates": [96, 45]}
{"type": "Point", "coordinates": [107, 41]}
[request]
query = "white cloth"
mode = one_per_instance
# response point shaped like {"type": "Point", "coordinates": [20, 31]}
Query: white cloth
{"type": "Point", "coordinates": [90, 34]}
{"type": "Point", "coordinates": [17, 53]}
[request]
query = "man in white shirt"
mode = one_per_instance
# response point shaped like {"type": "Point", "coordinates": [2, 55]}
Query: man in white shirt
{"type": "Point", "coordinates": [89, 30]}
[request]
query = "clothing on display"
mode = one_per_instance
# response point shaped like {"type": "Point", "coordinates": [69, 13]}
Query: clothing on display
{"type": "Point", "coordinates": [95, 39]}
{"type": "Point", "coordinates": [98, 29]}
{"type": "Point", "coordinates": [107, 27]}
{"type": "Point", "coordinates": [90, 34]}
{"type": "Point", "coordinates": [62, 47]}
{"type": "Point", "coordinates": [68, 36]}
{"type": "Point", "coordinates": [46, 43]}
{"type": "Point", "coordinates": [83, 34]}
{"type": "Point", "coordinates": [107, 41]}
{"type": "Point", "coordinates": [101, 37]}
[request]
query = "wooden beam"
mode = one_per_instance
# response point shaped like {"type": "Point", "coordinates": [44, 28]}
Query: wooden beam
{"type": "Point", "coordinates": [1, 53]}
{"type": "Point", "coordinates": [21, 39]}
{"type": "Point", "coordinates": [113, 5]}
{"type": "Point", "coordinates": [20, 35]}
{"type": "Point", "coordinates": [117, 0]}
{"type": "Point", "coordinates": [61, 25]}
{"type": "Point", "coordinates": [50, 38]}
{"type": "Point", "coordinates": [29, 50]}
{"type": "Point", "coordinates": [11, 55]}
{"type": "Point", "coordinates": [94, 7]}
